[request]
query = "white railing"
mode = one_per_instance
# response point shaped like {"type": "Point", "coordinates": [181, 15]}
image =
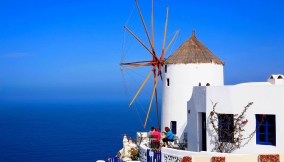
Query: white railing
{"type": "Point", "coordinates": [174, 155]}
{"type": "Point", "coordinates": [143, 153]}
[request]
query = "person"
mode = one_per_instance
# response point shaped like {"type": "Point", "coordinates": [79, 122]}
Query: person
{"type": "Point", "coordinates": [169, 136]}
{"type": "Point", "coordinates": [156, 138]}
{"type": "Point", "coordinates": [149, 134]}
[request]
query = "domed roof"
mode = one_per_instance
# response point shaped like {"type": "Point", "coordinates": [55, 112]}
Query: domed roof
{"type": "Point", "coordinates": [193, 51]}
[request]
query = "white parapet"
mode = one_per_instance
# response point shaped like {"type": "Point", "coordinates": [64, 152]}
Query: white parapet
{"type": "Point", "coordinates": [173, 155]}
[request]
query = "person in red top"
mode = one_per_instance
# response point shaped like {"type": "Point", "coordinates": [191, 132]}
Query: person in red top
{"type": "Point", "coordinates": [156, 138]}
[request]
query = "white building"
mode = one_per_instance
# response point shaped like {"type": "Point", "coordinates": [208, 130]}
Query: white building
{"type": "Point", "coordinates": [268, 100]}
{"type": "Point", "coordinates": [193, 80]}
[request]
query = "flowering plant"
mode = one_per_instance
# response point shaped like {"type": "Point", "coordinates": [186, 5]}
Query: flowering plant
{"type": "Point", "coordinates": [230, 137]}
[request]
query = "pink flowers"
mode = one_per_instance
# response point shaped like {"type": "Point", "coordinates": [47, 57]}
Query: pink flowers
{"type": "Point", "coordinates": [245, 121]}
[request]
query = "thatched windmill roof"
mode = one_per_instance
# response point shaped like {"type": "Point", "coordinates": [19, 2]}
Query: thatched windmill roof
{"type": "Point", "coordinates": [193, 51]}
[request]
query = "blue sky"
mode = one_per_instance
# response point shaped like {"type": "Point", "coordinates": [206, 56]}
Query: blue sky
{"type": "Point", "coordinates": [71, 50]}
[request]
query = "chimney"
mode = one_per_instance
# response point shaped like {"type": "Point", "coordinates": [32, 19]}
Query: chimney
{"type": "Point", "coordinates": [276, 79]}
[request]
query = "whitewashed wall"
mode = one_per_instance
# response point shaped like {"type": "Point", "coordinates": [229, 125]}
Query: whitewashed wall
{"type": "Point", "coordinates": [266, 98]}
{"type": "Point", "coordinates": [196, 104]}
{"type": "Point", "coordinates": [183, 77]}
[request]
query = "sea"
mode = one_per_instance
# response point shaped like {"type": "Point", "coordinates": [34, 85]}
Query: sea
{"type": "Point", "coordinates": [61, 132]}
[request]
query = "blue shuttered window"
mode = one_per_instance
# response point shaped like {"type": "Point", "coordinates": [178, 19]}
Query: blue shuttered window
{"type": "Point", "coordinates": [266, 132]}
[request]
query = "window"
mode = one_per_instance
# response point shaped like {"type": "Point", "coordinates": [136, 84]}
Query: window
{"type": "Point", "coordinates": [265, 130]}
{"type": "Point", "coordinates": [168, 82]}
{"type": "Point", "coordinates": [174, 127]}
{"type": "Point", "coordinates": [226, 127]}
{"type": "Point", "coordinates": [166, 68]}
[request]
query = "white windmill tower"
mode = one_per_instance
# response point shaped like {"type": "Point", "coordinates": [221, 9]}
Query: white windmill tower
{"type": "Point", "coordinates": [192, 64]}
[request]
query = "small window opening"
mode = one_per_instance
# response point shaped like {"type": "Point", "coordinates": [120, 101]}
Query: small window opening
{"type": "Point", "coordinates": [271, 77]}
{"type": "Point", "coordinates": [166, 68]}
{"type": "Point", "coordinates": [174, 127]}
{"type": "Point", "coordinates": [199, 84]}
{"type": "Point", "coordinates": [168, 82]}
{"type": "Point", "coordinates": [280, 77]}
{"type": "Point", "coordinates": [207, 84]}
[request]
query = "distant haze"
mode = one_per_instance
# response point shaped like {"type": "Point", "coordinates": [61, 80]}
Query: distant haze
{"type": "Point", "coordinates": [71, 50]}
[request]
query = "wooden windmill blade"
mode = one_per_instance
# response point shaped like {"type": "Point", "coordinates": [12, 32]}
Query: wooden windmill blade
{"type": "Point", "coordinates": [172, 40]}
{"type": "Point", "coordinates": [152, 97]}
{"type": "Point", "coordinates": [165, 34]}
{"type": "Point", "coordinates": [153, 26]}
{"type": "Point", "coordinates": [131, 65]}
{"type": "Point", "coordinates": [144, 25]}
{"type": "Point", "coordinates": [141, 87]}
{"type": "Point", "coordinates": [140, 41]}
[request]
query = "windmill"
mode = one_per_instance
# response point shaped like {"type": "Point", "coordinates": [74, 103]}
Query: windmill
{"type": "Point", "coordinates": [155, 61]}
